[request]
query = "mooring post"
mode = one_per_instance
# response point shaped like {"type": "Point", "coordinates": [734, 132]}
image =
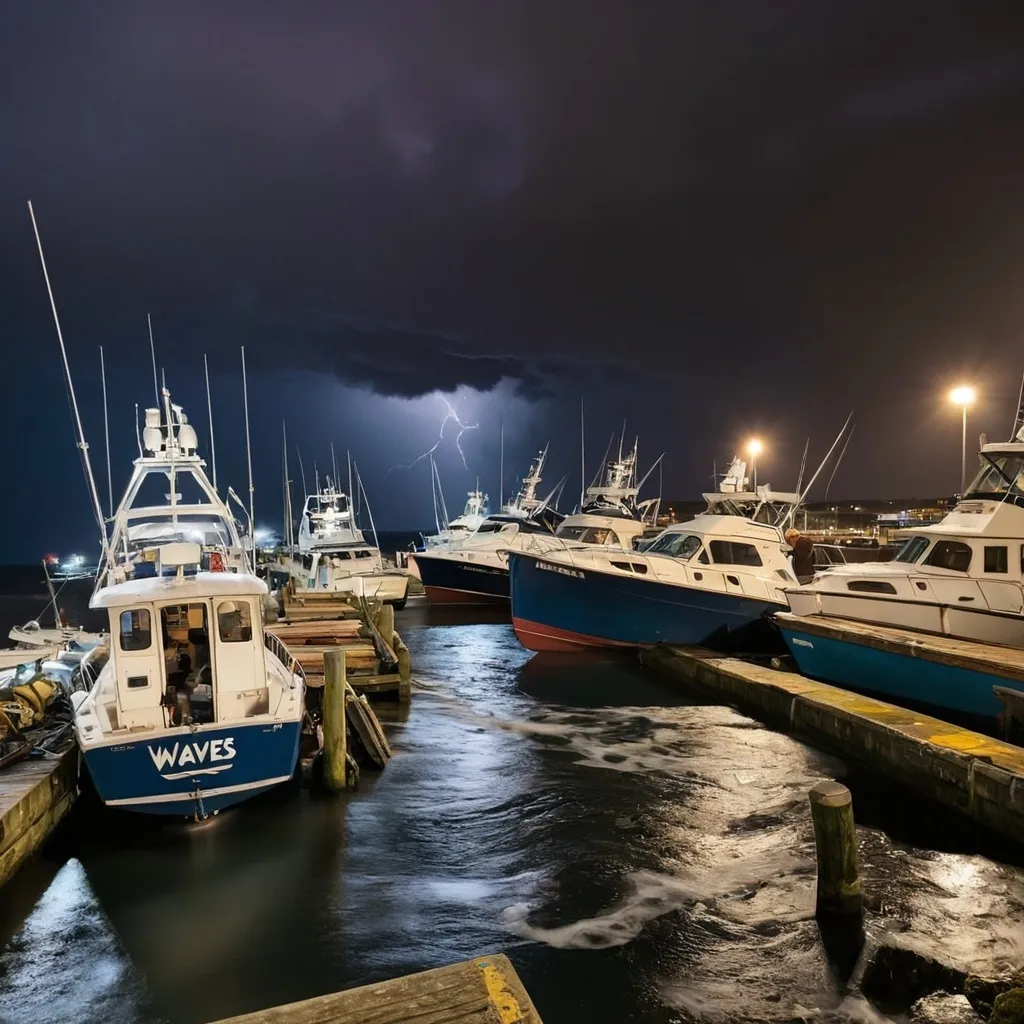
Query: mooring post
{"type": "Point", "coordinates": [835, 837]}
{"type": "Point", "coordinates": [386, 623]}
{"type": "Point", "coordinates": [334, 719]}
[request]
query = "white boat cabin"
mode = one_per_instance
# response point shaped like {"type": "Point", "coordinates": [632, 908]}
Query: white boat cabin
{"type": "Point", "coordinates": [187, 650]}
{"type": "Point", "coordinates": [724, 553]}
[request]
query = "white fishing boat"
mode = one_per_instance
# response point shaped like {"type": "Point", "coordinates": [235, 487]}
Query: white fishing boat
{"type": "Point", "coordinates": [198, 706]}
{"type": "Point", "coordinates": [33, 635]}
{"type": "Point", "coordinates": [333, 554]}
{"type": "Point", "coordinates": [962, 577]}
{"type": "Point", "coordinates": [476, 571]}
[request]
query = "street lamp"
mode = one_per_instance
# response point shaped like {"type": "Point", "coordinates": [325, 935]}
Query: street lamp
{"type": "Point", "coordinates": [754, 448]}
{"type": "Point", "coordinates": [963, 396]}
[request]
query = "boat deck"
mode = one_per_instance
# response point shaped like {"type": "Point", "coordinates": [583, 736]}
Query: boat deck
{"type": "Point", "coordinates": [485, 990]}
{"type": "Point", "coordinates": [975, 774]}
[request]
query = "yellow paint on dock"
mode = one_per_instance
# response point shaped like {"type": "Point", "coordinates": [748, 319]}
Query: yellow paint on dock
{"type": "Point", "coordinates": [485, 990]}
{"type": "Point", "coordinates": [973, 773]}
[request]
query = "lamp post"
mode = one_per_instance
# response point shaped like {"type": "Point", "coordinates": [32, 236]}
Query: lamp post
{"type": "Point", "coordinates": [754, 448]}
{"type": "Point", "coordinates": [963, 396]}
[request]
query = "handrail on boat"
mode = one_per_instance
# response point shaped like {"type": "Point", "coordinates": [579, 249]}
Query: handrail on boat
{"type": "Point", "coordinates": [279, 649]}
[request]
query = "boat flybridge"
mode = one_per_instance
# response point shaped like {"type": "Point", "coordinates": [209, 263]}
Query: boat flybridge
{"type": "Point", "coordinates": [961, 577]}
{"type": "Point", "coordinates": [334, 555]}
{"type": "Point", "coordinates": [197, 707]}
{"type": "Point", "coordinates": [169, 499]}
{"type": "Point", "coordinates": [713, 580]}
{"type": "Point", "coordinates": [462, 526]}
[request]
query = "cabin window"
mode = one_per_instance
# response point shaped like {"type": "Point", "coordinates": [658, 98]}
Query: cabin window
{"type": "Point", "coordinates": [678, 545]}
{"type": "Point", "coordinates": [344, 554]}
{"type": "Point", "coordinates": [912, 550]}
{"type": "Point", "coordinates": [950, 554]}
{"type": "Point", "coordinates": [363, 554]}
{"type": "Point", "coordinates": [136, 630]}
{"type": "Point", "coordinates": [234, 622]}
{"type": "Point", "coordinates": [996, 560]}
{"type": "Point", "coordinates": [731, 552]}
{"type": "Point", "coordinates": [703, 559]}
{"type": "Point", "coordinates": [871, 587]}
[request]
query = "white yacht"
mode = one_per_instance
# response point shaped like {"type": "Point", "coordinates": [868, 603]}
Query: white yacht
{"type": "Point", "coordinates": [962, 577]}
{"type": "Point", "coordinates": [334, 555]}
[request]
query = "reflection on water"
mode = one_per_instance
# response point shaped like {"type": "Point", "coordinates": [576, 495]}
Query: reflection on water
{"type": "Point", "coordinates": [639, 858]}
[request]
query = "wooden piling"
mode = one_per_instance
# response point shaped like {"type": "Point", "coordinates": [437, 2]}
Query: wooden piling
{"type": "Point", "coordinates": [386, 622]}
{"type": "Point", "coordinates": [404, 670]}
{"type": "Point", "coordinates": [334, 753]}
{"type": "Point", "coordinates": [835, 837]}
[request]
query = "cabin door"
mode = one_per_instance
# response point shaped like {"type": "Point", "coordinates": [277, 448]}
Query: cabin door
{"type": "Point", "coordinates": [238, 655]}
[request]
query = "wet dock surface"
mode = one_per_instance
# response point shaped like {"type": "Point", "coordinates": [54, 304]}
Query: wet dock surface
{"type": "Point", "coordinates": [638, 857]}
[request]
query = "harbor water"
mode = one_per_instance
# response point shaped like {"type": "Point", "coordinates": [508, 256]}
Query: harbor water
{"type": "Point", "coordinates": [641, 858]}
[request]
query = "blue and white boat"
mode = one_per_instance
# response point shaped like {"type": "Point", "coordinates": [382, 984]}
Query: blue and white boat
{"type": "Point", "coordinates": [715, 580]}
{"type": "Point", "coordinates": [962, 578]}
{"type": "Point", "coordinates": [197, 707]}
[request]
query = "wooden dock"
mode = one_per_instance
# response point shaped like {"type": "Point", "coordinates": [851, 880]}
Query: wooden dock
{"type": "Point", "coordinates": [485, 990]}
{"type": "Point", "coordinates": [970, 772]}
{"type": "Point", "coordinates": [371, 669]}
{"type": "Point", "coordinates": [34, 796]}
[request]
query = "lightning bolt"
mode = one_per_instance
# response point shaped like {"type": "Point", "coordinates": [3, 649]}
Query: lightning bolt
{"type": "Point", "coordinates": [450, 416]}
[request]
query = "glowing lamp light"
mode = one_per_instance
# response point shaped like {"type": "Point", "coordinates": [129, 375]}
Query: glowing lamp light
{"type": "Point", "coordinates": [754, 447]}
{"type": "Point", "coordinates": [962, 395]}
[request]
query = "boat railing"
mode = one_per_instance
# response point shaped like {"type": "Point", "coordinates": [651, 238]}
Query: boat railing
{"type": "Point", "coordinates": [279, 649]}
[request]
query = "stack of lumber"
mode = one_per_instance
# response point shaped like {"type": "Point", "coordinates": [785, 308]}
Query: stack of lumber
{"type": "Point", "coordinates": [307, 642]}
{"type": "Point", "coordinates": [310, 605]}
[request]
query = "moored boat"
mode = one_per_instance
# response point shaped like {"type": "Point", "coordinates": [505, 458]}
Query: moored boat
{"type": "Point", "coordinates": [715, 580]}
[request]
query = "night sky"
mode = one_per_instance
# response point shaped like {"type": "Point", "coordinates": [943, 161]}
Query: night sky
{"type": "Point", "coordinates": [711, 219]}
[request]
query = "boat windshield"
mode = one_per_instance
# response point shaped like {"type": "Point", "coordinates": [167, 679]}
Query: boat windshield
{"type": "Point", "coordinates": [1001, 476]}
{"type": "Point", "coordinates": [587, 534]}
{"type": "Point", "coordinates": [911, 550]}
{"type": "Point", "coordinates": [678, 545]}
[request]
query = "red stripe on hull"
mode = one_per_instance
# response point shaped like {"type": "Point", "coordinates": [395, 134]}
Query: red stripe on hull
{"type": "Point", "coordinates": [535, 636]}
{"type": "Point", "coordinates": [444, 595]}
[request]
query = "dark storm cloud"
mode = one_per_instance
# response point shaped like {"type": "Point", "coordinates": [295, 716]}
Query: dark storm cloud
{"type": "Point", "coordinates": [723, 213]}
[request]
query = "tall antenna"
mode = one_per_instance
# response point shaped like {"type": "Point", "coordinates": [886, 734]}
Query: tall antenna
{"type": "Point", "coordinates": [835, 468]}
{"type": "Point", "coordinates": [248, 458]}
{"type": "Point", "coordinates": [302, 474]}
{"type": "Point", "coordinates": [152, 355]}
{"type": "Point", "coordinates": [501, 464]}
{"type": "Point", "coordinates": [349, 454]}
{"type": "Point", "coordinates": [583, 457]}
{"type": "Point", "coordinates": [288, 526]}
{"type": "Point", "coordinates": [803, 466]}
{"type": "Point", "coordinates": [106, 434]}
{"type": "Point", "coordinates": [82, 444]}
{"type": "Point", "coordinates": [1018, 419]}
{"type": "Point", "coordinates": [209, 420]}
{"type": "Point", "coordinates": [366, 499]}
{"type": "Point", "coordinates": [334, 469]}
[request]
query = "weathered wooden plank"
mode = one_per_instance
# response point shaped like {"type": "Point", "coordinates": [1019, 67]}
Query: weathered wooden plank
{"type": "Point", "coordinates": [365, 725]}
{"type": "Point", "coordinates": [485, 990]}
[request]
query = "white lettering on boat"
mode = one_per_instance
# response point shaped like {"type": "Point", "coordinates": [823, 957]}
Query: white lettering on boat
{"type": "Point", "coordinates": [196, 753]}
{"type": "Point", "coordinates": [548, 567]}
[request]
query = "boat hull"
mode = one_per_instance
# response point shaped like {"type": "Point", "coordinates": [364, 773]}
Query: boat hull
{"type": "Point", "coordinates": [459, 581]}
{"type": "Point", "coordinates": [390, 587]}
{"type": "Point", "coordinates": [194, 773]}
{"type": "Point", "coordinates": [903, 678]}
{"type": "Point", "coordinates": [560, 608]}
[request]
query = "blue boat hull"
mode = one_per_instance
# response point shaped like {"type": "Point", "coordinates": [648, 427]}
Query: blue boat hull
{"type": "Point", "coordinates": [188, 773]}
{"type": "Point", "coordinates": [895, 676]}
{"type": "Point", "coordinates": [457, 581]}
{"type": "Point", "coordinates": [559, 608]}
